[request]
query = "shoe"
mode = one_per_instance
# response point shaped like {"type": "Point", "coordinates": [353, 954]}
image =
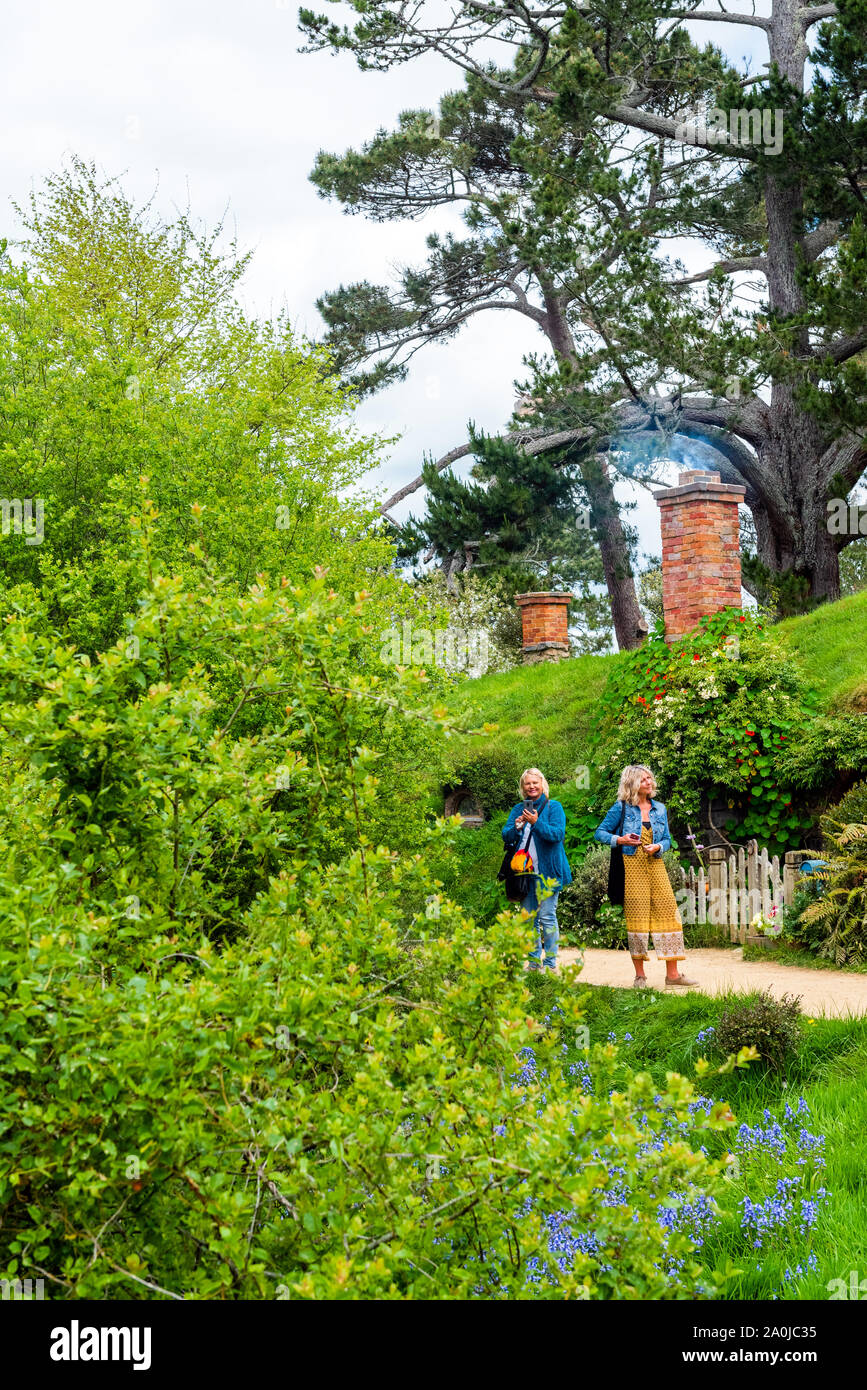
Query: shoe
{"type": "Point", "coordinates": [640, 982]}
{"type": "Point", "coordinates": [680, 982]}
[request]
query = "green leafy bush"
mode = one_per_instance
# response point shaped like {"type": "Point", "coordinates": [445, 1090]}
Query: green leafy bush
{"type": "Point", "coordinates": [610, 925]}
{"type": "Point", "coordinates": [492, 778]}
{"type": "Point", "coordinates": [851, 808]}
{"type": "Point", "coordinates": [809, 934]}
{"type": "Point", "coordinates": [770, 1025]}
{"type": "Point", "coordinates": [841, 911]}
{"type": "Point", "coordinates": [579, 903]}
{"type": "Point", "coordinates": [246, 1050]}
{"type": "Point", "coordinates": [582, 819]}
{"type": "Point", "coordinates": [826, 747]}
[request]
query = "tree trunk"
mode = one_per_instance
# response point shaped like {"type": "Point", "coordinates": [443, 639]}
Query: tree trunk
{"type": "Point", "coordinates": [630, 629]}
{"type": "Point", "coordinates": [797, 540]}
{"type": "Point", "coordinates": [629, 626]}
{"type": "Point", "coordinates": [792, 536]}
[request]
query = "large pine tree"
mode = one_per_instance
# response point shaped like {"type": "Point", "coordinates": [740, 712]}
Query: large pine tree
{"type": "Point", "coordinates": [605, 134]}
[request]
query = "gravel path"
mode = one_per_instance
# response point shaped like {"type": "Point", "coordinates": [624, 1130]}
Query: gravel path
{"type": "Point", "coordinates": [832, 992]}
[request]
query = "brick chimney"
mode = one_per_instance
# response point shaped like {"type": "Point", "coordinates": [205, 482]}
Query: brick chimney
{"type": "Point", "coordinates": [701, 560]}
{"type": "Point", "coordinates": [545, 622]}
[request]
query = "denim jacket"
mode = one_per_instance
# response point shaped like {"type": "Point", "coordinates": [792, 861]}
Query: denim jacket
{"type": "Point", "coordinates": [608, 831]}
{"type": "Point", "coordinates": [548, 834]}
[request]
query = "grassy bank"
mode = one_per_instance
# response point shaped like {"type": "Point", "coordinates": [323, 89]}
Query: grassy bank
{"type": "Point", "coordinates": [543, 713]}
{"type": "Point", "coordinates": [829, 643]}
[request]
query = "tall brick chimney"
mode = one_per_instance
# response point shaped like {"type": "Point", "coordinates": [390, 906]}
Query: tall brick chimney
{"type": "Point", "coordinates": [701, 559]}
{"type": "Point", "coordinates": [545, 623]}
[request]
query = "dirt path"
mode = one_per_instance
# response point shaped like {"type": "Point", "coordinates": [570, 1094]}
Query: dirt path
{"type": "Point", "coordinates": [832, 992]}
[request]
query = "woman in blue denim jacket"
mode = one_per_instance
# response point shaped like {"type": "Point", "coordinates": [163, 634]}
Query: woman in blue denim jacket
{"type": "Point", "coordinates": [649, 905]}
{"type": "Point", "coordinates": [542, 825]}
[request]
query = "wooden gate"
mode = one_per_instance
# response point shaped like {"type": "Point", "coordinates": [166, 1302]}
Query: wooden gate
{"type": "Point", "coordinates": [737, 886]}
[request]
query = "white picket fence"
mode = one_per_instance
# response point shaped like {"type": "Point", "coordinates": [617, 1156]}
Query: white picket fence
{"type": "Point", "coordinates": [737, 886]}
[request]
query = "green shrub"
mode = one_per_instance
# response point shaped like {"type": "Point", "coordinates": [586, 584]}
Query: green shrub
{"type": "Point", "coordinates": [809, 934]}
{"type": "Point", "coordinates": [492, 777]}
{"type": "Point", "coordinates": [852, 807]}
{"type": "Point", "coordinates": [825, 747]}
{"type": "Point", "coordinates": [605, 932]}
{"type": "Point", "coordinates": [581, 900]}
{"type": "Point", "coordinates": [582, 819]}
{"type": "Point", "coordinates": [611, 926]}
{"type": "Point", "coordinates": [294, 1081]}
{"type": "Point", "coordinates": [768, 1024]}
{"type": "Point", "coordinates": [841, 911]}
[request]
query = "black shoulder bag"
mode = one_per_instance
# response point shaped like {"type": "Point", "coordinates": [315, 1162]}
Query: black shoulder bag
{"type": "Point", "coordinates": [616, 871]}
{"type": "Point", "coordinates": [517, 885]}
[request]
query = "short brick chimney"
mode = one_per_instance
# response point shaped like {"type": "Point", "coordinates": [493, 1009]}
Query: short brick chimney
{"type": "Point", "coordinates": [701, 558]}
{"type": "Point", "coordinates": [545, 622]}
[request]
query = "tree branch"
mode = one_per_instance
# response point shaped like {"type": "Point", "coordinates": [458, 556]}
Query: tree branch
{"type": "Point", "coordinates": [846, 458]}
{"type": "Point", "coordinates": [814, 244]}
{"type": "Point", "coordinates": [746, 418]}
{"type": "Point", "coordinates": [728, 268]}
{"type": "Point", "coordinates": [722, 17]}
{"type": "Point", "coordinates": [721, 421]}
{"type": "Point", "coordinates": [814, 13]}
{"type": "Point", "coordinates": [841, 349]}
{"type": "Point", "coordinates": [825, 235]}
{"type": "Point", "coordinates": [664, 125]}
{"type": "Point", "coordinates": [531, 442]}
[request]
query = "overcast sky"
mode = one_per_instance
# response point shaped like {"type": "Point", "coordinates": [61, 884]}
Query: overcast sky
{"type": "Point", "coordinates": [210, 102]}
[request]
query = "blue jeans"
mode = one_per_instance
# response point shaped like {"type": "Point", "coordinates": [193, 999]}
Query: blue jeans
{"type": "Point", "coordinates": [546, 928]}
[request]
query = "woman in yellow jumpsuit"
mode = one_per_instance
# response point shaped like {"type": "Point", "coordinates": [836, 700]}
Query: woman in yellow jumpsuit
{"type": "Point", "coordinates": [649, 904]}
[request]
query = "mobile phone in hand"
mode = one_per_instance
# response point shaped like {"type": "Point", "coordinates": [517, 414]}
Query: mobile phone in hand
{"type": "Point", "coordinates": [528, 805]}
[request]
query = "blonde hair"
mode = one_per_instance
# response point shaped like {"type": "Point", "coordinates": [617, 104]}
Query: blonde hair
{"type": "Point", "coordinates": [537, 773]}
{"type": "Point", "coordinates": [630, 781]}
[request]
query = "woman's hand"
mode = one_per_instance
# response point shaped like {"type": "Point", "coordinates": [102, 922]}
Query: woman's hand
{"type": "Point", "coordinates": [529, 817]}
{"type": "Point", "coordinates": [652, 849]}
{"type": "Point", "coordinates": [631, 839]}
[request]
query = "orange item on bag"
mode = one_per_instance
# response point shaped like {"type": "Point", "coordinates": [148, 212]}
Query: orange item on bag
{"type": "Point", "coordinates": [521, 862]}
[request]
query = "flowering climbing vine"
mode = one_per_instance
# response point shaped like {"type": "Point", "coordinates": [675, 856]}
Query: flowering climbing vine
{"type": "Point", "coordinates": [712, 714]}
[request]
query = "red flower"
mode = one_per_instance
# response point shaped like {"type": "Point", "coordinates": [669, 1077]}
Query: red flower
{"type": "Point", "coordinates": [741, 620]}
{"type": "Point", "coordinates": [750, 733]}
{"type": "Point", "coordinates": [641, 700]}
{"type": "Point", "coordinates": [696, 657]}
{"type": "Point", "coordinates": [657, 697]}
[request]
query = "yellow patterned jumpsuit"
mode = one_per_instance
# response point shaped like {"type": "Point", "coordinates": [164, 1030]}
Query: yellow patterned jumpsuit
{"type": "Point", "coordinates": [649, 905]}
